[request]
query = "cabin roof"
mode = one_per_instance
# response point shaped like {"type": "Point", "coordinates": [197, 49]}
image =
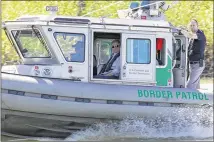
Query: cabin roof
{"type": "Point", "coordinates": [93, 20]}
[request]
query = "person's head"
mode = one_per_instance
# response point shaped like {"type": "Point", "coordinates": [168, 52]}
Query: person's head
{"type": "Point", "coordinates": [115, 46]}
{"type": "Point", "coordinates": [193, 25]}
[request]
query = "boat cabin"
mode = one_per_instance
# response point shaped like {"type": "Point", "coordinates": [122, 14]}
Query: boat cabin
{"type": "Point", "coordinates": [76, 48]}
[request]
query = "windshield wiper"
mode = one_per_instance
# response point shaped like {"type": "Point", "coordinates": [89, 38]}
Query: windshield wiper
{"type": "Point", "coordinates": [38, 35]}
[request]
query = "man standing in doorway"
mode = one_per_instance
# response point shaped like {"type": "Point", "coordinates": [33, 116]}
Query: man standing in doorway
{"type": "Point", "coordinates": [195, 54]}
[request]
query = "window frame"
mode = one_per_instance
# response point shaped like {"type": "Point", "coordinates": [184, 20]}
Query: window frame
{"type": "Point", "coordinates": [178, 43]}
{"type": "Point", "coordinates": [19, 43]}
{"type": "Point", "coordinates": [127, 50]}
{"type": "Point", "coordinates": [61, 49]}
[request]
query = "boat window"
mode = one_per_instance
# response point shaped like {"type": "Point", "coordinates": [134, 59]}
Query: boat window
{"type": "Point", "coordinates": [138, 51]}
{"type": "Point", "coordinates": [178, 49]}
{"type": "Point", "coordinates": [31, 43]}
{"type": "Point", "coordinates": [105, 50]}
{"type": "Point", "coordinates": [72, 46]}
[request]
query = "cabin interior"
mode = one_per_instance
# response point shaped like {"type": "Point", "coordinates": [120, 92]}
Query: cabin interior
{"type": "Point", "coordinates": [102, 50]}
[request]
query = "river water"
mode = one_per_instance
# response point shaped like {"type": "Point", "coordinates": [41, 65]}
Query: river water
{"type": "Point", "coordinates": [183, 125]}
{"type": "Point", "coordinates": [174, 126]}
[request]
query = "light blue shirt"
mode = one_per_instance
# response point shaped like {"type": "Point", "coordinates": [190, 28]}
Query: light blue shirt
{"type": "Point", "coordinates": [115, 67]}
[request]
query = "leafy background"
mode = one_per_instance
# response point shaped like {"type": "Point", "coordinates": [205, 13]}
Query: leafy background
{"type": "Point", "coordinates": [179, 15]}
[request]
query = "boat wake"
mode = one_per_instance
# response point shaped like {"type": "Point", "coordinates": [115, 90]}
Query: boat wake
{"type": "Point", "coordinates": [185, 124]}
{"type": "Point", "coordinates": [177, 125]}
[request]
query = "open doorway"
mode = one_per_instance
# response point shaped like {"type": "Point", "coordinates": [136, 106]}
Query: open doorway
{"type": "Point", "coordinates": [102, 49]}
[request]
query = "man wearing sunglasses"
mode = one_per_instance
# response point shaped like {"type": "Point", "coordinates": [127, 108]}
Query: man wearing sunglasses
{"type": "Point", "coordinates": [111, 70]}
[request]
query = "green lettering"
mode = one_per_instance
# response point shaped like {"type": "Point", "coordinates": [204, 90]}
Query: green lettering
{"type": "Point", "coordinates": [194, 95]}
{"type": "Point", "coordinates": [177, 94]}
{"type": "Point", "coordinates": [189, 95]}
{"type": "Point", "coordinates": [158, 94]}
{"type": "Point", "coordinates": [201, 96]}
{"type": "Point", "coordinates": [169, 93]}
{"type": "Point", "coordinates": [163, 94]}
{"type": "Point", "coordinates": [140, 93]}
{"type": "Point", "coordinates": [184, 95]}
{"type": "Point", "coordinates": [146, 93]}
{"type": "Point", "coordinates": [205, 96]}
{"type": "Point", "coordinates": [152, 93]}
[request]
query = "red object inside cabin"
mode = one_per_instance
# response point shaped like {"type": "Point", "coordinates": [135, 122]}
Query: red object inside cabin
{"type": "Point", "coordinates": [159, 43]}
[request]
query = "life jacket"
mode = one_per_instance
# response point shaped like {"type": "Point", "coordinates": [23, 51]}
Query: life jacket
{"type": "Point", "coordinates": [108, 65]}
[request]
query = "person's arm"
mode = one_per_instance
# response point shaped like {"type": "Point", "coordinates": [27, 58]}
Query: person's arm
{"type": "Point", "coordinates": [202, 48]}
{"type": "Point", "coordinates": [189, 35]}
{"type": "Point", "coordinates": [202, 42]}
{"type": "Point", "coordinates": [116, 70]}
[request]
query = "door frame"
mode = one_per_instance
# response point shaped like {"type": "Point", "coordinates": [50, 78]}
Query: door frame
{"type": "Point", "coordinates": [151, 65]}
{"type": "Point", "coordinates": [183, 68]}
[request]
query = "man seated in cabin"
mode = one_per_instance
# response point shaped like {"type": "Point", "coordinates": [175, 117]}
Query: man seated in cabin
{"type": "Point", "coordinates": [111, 70]}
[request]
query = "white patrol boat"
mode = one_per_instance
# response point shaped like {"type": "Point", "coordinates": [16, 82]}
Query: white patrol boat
{"type": "Point", "coordinates": [53, 92]}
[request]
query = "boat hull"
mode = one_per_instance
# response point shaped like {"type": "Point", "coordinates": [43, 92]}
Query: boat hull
{"type": "Point", "coordinates": [21, 124]}
{"type": "Point", "coordinates": [79, 109]}
{"type": "Point", "coordinates": [34, 106]}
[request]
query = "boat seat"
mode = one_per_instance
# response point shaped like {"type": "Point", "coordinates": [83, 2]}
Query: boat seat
{"type": "Point", "coordinates": [94, 65]}
{"type": "Point", "coordinates": [99, 67]}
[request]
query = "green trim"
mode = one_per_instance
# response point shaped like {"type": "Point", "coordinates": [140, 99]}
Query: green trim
{"type": "Point", "coordinates": [164, 74]}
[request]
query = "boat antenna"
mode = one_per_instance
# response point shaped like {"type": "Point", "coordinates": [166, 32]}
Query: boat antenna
{"type": "Point", "coordinates": [173, 3]}
{"type": "Point", "coordinates": [133, 12]}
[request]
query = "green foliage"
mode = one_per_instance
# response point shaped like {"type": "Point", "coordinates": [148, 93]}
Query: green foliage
{"type": "Point", "coordinates": [14, 9]}
{"type": "Point", "coordinates": [180, 14]}
{"type": "Point", "coordinates": [202, 11]}
{"type": "Point", "coordinates": [34, 47]}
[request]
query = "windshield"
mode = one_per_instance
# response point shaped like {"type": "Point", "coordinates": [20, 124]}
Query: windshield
{"type": "Point", "coordinates": [31, 43]}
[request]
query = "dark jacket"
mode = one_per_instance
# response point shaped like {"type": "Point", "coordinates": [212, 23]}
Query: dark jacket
{"type": "Point", "coordinates": [198, 47]}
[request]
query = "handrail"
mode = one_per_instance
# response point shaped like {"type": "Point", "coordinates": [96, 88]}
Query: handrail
{"type": "Point", "coordinates": [79, 22]}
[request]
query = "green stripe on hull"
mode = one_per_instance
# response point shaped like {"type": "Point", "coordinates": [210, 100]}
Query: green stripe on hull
{"type": "Point", "coordinates": [164, 74]}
